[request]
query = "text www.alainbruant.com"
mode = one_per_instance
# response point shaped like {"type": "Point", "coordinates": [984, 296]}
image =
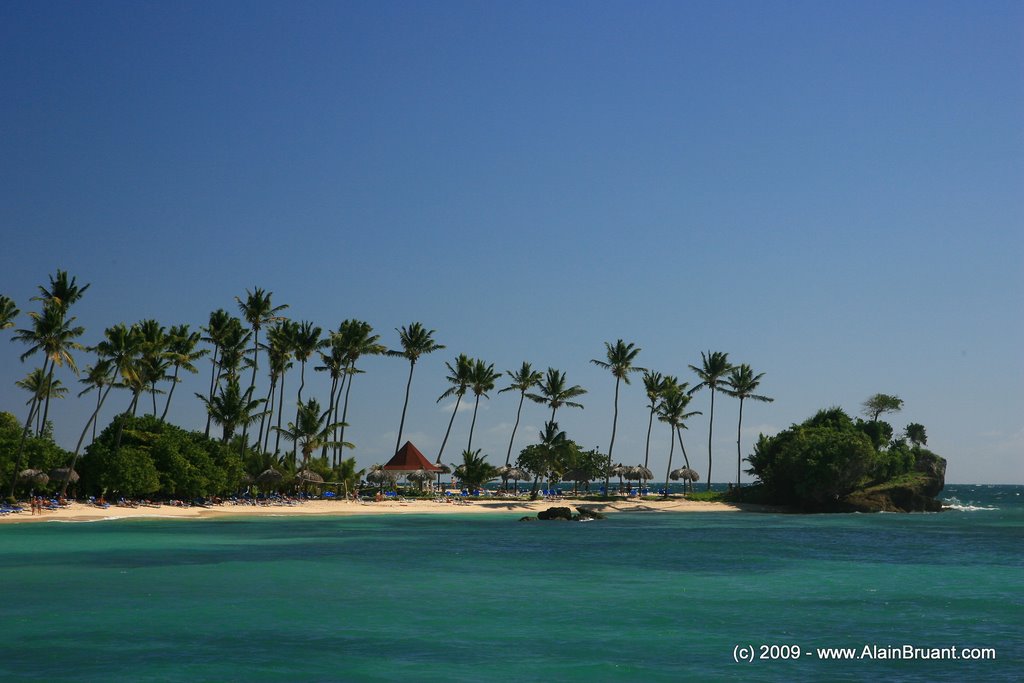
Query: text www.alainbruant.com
{"type": "Point", "coordinates": [753, 653]}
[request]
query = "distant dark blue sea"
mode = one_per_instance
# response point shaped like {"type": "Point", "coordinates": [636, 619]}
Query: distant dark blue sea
{"type": "Point", "coordinates": [636, 597]}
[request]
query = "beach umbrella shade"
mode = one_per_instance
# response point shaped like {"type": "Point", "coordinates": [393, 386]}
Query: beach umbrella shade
{"type": "Point", "coordinates": [380, 476]}
{"type": "Point", "coordinates": [28, 474]}
{"type": "Point", "coordinates": [308, 477]}
{"type": "Point", "coordinates": [684, 473]}
{"type": "Point", "coordinates": [645, 474]}
{"type": "Point", "coordinates": [421, 477]}
{"type": "Point", "coordinates": [269, 477]}
{"type": "Point", "coordinates": [517, 473]}
{"type": "Point", "coordinates": [575, 476]}
{"type": "Point", "coordinates": [442, 469]}
{"type": "Point", "coordinates": [62, 473]}
{"type": "Point", "coordinates": [617, 471]}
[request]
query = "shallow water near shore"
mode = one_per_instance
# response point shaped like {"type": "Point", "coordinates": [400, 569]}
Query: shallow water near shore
{"type": "Point", "coordinates": [635, 597]}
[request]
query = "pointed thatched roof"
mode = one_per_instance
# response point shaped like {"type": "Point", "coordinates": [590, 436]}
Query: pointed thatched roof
{"type": "Point", "coordinates": [409, 459]}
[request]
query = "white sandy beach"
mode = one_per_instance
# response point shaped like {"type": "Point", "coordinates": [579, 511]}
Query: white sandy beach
{"type": "Point", "coordinates": [84, 512]}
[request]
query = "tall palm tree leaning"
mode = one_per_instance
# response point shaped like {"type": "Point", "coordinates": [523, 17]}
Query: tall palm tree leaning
{"type": "Point", "coordinates": [654, 385]}
{"type": "Point", "coordinates": [714, 366]}
{"type": "Point", "coordinates": [258, 310]}
{"type": "Point", "coordinates": [459, 376]}
{"type": "Point", "coordinates": [483, 378]}
{"type": "Point", "coordinates": [416, 341]}
{"type": "Point", "coordinates": [216, 330]}
{"type": "Point", "coordinates": [555, 392]}
{"type": "Point", "coordinates": [358, 340]}
{"type": "Point", "coordinates": [741, 384]}
{"type": "Point", "coordinates": [619, 360]}
{"type": "Point", "coordinates": [523, 379]}
{"type": "Point", "coordinates": [672, 411]}
{"type": "Point", "coordinates": [181, 345]}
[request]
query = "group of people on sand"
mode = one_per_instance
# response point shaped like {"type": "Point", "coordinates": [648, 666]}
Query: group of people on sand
{"type": "Point", "coordinates": [39, 503]}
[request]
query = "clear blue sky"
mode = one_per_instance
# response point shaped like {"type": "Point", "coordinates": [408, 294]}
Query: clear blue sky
{"type": "Point", "coordinates": [831, 192]}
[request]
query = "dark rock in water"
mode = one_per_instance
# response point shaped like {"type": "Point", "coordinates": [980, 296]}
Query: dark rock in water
{"type": "Point", "coordinates": [527, 519]}
{"type": "Point", "coordinates": [587, 513]}
{"type": "Point", "coordinates": [556, 513]}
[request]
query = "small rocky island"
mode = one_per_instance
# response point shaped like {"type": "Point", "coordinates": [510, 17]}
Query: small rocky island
{"type": "Point", "coordinates": [565, 514]}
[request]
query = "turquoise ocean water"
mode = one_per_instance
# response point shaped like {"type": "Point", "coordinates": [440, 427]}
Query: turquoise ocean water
{"type": "Point", "coordinates": [437, 598]}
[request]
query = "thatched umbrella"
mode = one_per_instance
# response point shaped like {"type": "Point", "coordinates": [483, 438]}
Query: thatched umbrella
{"type": "Point", "coordinates": [421, 477]}
{"type": "Point", "coordinates": [643, 474]}
{"type": "Point", "coordinates": [269, 478]}
{"type": "Point", "coordinates": [515, 474]}
{"type": "Point", "coordinates": [617, 471]}
{"type": "Point", "coordinates": [62, 473]}
{"type": "Point", "coordinates": [442, 469]}
{"type": "Point", "coordinates": [37, 477]}
{"type": "Point", "coordinates": [686, 474]}
{"type": "Point", "coordinates": [576, 476]}
{"type": "Point", "coordinates": [380, 476]}
{"type": "Point", "coordinates": [308, 477]}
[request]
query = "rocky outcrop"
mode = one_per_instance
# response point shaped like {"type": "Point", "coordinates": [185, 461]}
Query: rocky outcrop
{"type": "Point", "coordinates": [914, 492]}
{"type": "Point", "coordinates": [566, 514]}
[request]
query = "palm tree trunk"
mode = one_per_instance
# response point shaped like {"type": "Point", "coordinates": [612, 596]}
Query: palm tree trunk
{"type": "Point", "coordinates": [615, 419]}
{"type": "Point", "coordinates": [448, 431]}
{"type": "Point", "coordinates": [472, 425]}
{"type": "Point", "coordinates": [78, 447]}
{"type": "Point", "coordinates": [647, 448]}
{"type": "Point", "coordinates": [711, 428]}
{"type": "Point", "coordinates": [152, 393]}
{"type": "Point", "coordinates": [686, 459]}
{"type": "Point", "coordinates": [255, 357]}
{"type": "Point", "coordinates": [170, 393]}
{"type": "Point", "coordinates": [739, 450]}
{"type": "Point", "coordinates": [21, 445]}
{"type": "Point", "coordinates": [346, 380]}
{"type": "Point", "coordinates": [330, 411]}
{"type": "Point", "coordinates": [671, 451]}
{"type": "Point", "coordinates": [280, 410]}
{"type": "Point", "coordinates": [298, 407]}
{"type": "Point", "coordinates": [508, 456]}
{"type": "Point", "coordinates": [344, 417]}
{"type": "Point", "coordinates": [99, 403]}
{"type": "Point", "coordinates": [46, 405]}
{"type": "Point", "coordinates": [213, 383]}
{"type": "Point", "coordinates": [269, 401]}
{"type": "Point", "coordinates": [401, 425]}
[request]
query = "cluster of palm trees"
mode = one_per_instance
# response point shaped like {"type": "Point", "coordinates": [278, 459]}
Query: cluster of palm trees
{"type": "Point", "coordinates": [146, 358]}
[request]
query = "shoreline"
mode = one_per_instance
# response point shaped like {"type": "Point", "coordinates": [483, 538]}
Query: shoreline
{"type": "Point", "coordinates": [85, 512]}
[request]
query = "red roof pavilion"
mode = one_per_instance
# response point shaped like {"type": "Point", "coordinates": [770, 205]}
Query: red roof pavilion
{"type": "Point", "coordinates": [409, 459]}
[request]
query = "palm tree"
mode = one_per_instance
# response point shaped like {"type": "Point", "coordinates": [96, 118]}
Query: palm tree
{"type": "Point", "coordinates": [555, 392]}
{"type": "Point", "coordinates": [358, 340]}
{"type": "Point", "coordinates": [181, 347]}
{"type": "Point", "coordinates": [155, 359]}
{"type": "Point", "coordinates": [523, 379]}
{"type": "Point", "coordinates": [8, 312]}
{"type": "Point", "coordinates": [231, 408]}
{"type": "Point", "coordinates": [334, 364]}
{"type": "Point", "coordinates": [475, 471]}
{"type": "Point", "coordinates": [285, 334]}
{"type": "Point", "coordinates": [482, 380]}
{"type": "Point", "coordinates": [672, 411]}
{"type": "Point", "coordinates": [916, 433]}
{"type": "Point", "coordinates": [416, 341]}
{"type": "Point", "coordinates": [53, 334]}
{"type": "Point", "coordinates": [279, 349]}
{"type": "Point", "coordinates": [215, 331]}
{"type": "Point", "coordinates": [257, 310]}
{"type": "Point", "coordinates": [234, 347]}
{"type": "Point", "coordinates": [619, 360]}
{"type": "Point", "coordinates": [742, 383]}
{"type": "Point", "coordinates": [305, 342]}
{"type": "Point", "coordinates": [654, 385]}
{"type": "Point", "coordinates": [97, 376]}
{"type": "Point", "coordinates": [459, 376]}
{"type": "Point", "coordinates": [63, 292]}
{"type": "Point", "coordinates": [41, 387]}
{"type": "Point", "coordinates": [714, 366]}
{"type": "Point", "coordinates": [312, 429]}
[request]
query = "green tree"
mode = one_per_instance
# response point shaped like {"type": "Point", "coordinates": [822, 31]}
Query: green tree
{"type": "Point", "coordinates": [216, 330]}
{"type": "Point", "coordinates": [459, 376]}
{"type": "Point", "coordinates": [714, 366]}
{"type": "Point", "coordinates": [741, 384]}
{"type": "Point", "coordinates": [881, 403]}
{"type": "Point", "coordinates": [358, 340]}
{"type": "Point", "coordinates": [475, 471]}
{"type": "Point", "coordinates": [232, 408]}
{"type": "Point", "coordinates": [305, 342]}
{"type": "Point", "coordinates": [8, 312]}
{"type": "Point", "coordinates": [181, 349]}
{"type": "Point", "coordinates": [523, 379]}
{"type": "Point", "coordinates": [311, 429]}
{"type": "Point", "coordinates": [555, 392]}
{"type": "Point", "coordinates": [279, 357]}
{"type": "Point", "coordinates": [155, 360]}
{"type": "Point", "coordinates": [619, 360]}
{"type": "Point", "coordinates": [258, 310]}
{"type": "Point", "coordinates": [543, 458]}
{"type": "Point", "coordinates": [482, 379]}
{"type": "Point", "coordinates": [416, 341]}
{"type": "Point", "coordinates": [654, 385]}
{"type": "Point", "coordinates": [672, 411]}
{"type": "Point", "coordinates": [41, 387]}
{"type": "Point", "coordinates": [916, 433]}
